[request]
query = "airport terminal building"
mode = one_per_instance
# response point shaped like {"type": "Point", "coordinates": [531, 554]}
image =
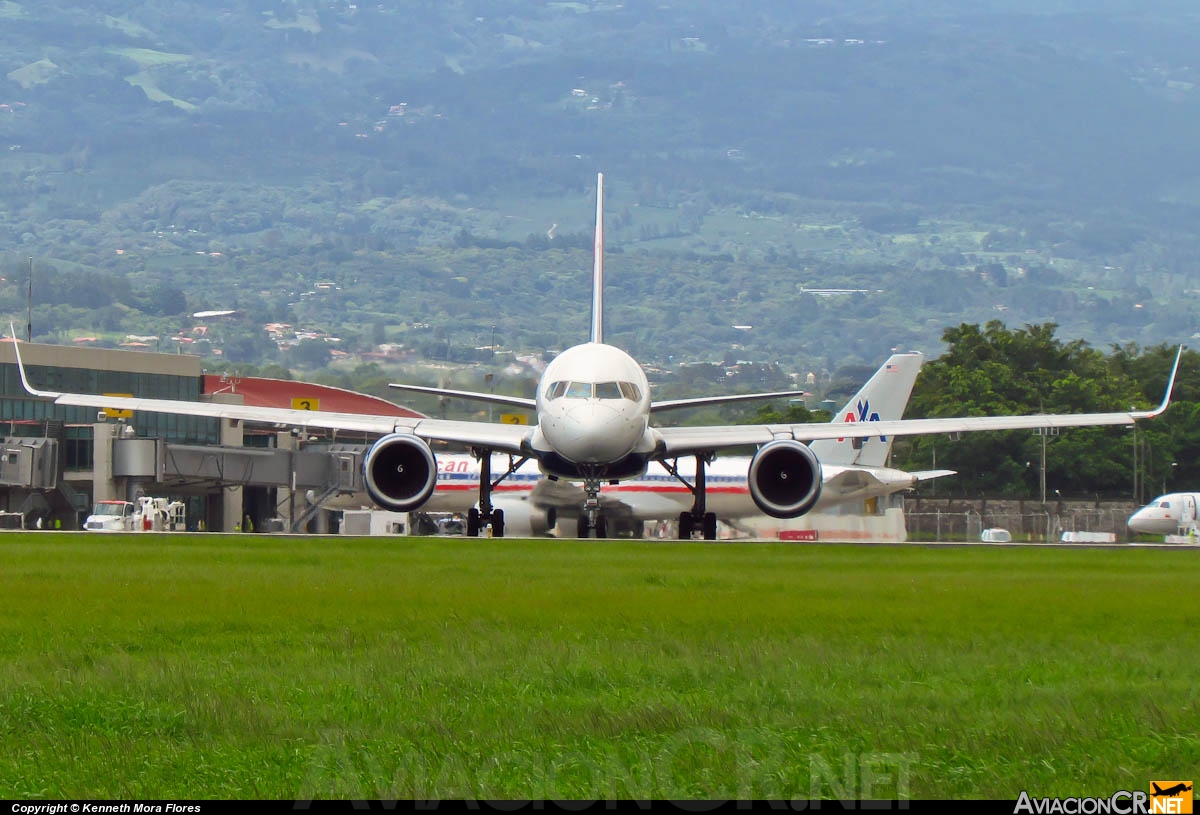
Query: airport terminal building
{"type": "Point", "coordinates": [58, 461]}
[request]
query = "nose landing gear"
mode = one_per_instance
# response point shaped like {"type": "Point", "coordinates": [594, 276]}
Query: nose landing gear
{"type": "Point", "coordinates": [591, 523]}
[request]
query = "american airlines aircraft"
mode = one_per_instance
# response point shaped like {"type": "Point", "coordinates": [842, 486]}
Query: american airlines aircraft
{"type": "Point", "coordinates": [851, 470]}
{"type": "Point", "coordinates": [594, 427]}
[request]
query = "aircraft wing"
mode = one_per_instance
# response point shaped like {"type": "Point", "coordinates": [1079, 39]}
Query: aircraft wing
{"type": "Point", "coordinates": [686, 440]}
{"type": "Point", "coordinates": [561, 495]}
{"type": "Point", "coordinates": [503, 438]}
{"type": "Point", "coordinates": [568, 499]}
{"type": "Point", "coordinates": [676, 441]}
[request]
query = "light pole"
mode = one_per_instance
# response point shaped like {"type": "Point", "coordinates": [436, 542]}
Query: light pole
{"type": "Point", "coordinates": [491, 377]}
{"type": "Point", "coordinates": [1136, 484]}
{"type": "Point", "coordinates": [1043, 467]}
{"type": "Point", "coordinates": [29, 307]}
{"type": "Point", "coordinates": [1044, 432]}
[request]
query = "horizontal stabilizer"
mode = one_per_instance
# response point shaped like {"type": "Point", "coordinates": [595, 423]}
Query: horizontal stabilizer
{"type": "Point", "coordinates": [929, 475]}
{"type": "Point", "coordinates": [489, 398]}
{"type": "Point", "coordinates": [705, 401]}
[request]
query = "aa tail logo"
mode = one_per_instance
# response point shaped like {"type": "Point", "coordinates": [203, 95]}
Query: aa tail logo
{"type": "Point", "coordinates": [1171, 797]}
{"type": "Point", "coordinates": [864, 414]}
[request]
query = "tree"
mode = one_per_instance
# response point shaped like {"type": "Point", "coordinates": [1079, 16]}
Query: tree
{"type": "Point", "coordinates": [164, 301]}
{"type": "Point", "coordinates": [310, 354]}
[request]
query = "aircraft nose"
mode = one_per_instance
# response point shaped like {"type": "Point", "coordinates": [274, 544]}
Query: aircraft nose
{"type": "Point", "coordinates": [1151, 520]}
{"type": "Point", "coordinates": [1136, 521]}
{"type": "Point", "coordinates": [596, 432]}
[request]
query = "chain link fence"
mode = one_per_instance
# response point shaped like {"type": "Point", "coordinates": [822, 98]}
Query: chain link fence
{"type": "Point", "coordinates": [1035, 525]}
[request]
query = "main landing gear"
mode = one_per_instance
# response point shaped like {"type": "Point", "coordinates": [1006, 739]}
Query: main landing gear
{"type": "Point", "coordinates": [478, 518]}
{"type": "Point", "coordinates": [697, 519]}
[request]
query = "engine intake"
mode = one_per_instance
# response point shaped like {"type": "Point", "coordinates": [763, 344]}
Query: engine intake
{"type": "Point", "coordinates": [785, 478]}
{"type": "Point", "coordinates": [400, 472]}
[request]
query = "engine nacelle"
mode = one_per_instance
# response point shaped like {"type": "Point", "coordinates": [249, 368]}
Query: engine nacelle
{"type": "Point", "coordinates": [523, 519]}
{"type": "Point", "coordinates": [400, 472]}
{"type": "Point", "coordinates": [785, 478]}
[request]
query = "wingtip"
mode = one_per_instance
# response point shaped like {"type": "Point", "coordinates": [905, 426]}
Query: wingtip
{"type": "Point", "coordinates": [1166, 400]}
{"type": "Point", "coordinates": [30, 389]}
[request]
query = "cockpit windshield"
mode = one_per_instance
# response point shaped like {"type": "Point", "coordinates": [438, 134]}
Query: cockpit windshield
{"type": "Point", "coordinates": [597, 390]}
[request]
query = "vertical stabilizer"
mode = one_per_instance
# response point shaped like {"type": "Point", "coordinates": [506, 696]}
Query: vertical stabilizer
{"type": "Point", "coordinates": [883, 398]}
{"type": "Point", "coordinates": [598, 265]}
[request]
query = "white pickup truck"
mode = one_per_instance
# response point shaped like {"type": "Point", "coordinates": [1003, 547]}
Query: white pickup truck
{"type": "Point", "coordinates": [111, 516]}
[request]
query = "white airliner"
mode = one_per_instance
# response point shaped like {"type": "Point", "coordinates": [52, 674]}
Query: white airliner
{"type": "Point", "coordinates": [593, 426]}
{"type": "Point", "coordinates": [851, 469]}
{"type": "Point", "coordinates": [1170, 514]}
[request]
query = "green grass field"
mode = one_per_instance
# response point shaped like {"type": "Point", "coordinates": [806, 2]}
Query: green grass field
{"type": "Point", "coordinates": [284, 668]}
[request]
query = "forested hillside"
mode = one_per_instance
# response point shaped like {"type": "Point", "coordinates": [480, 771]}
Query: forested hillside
{"type": "Point", "coordinates": [421, 174]}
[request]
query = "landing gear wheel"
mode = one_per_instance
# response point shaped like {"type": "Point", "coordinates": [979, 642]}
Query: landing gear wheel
{"type": "Point", "coordinates": [685, 526]}
{"type": "Point", "coordinates": [497, 523]}
{"type": "Point", "coordinates": [709, 526]}
{"type": "Point", "coordinates": [473, 523]}
{"type": "Point", "coordinates": [581, 527]}
{"type": "Point", "coordinates": [601, 527]}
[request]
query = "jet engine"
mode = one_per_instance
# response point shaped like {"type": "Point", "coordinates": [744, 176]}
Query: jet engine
{"type": "Point", "coordinates": [400, 472]}
{"type": "Point", "coordinates": [524, 519]}
{"type": "Point", "coordinates": [785, 478]}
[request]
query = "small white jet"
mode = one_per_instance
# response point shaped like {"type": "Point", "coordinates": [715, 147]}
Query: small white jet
{"type": "Point", "coordinates": [594, 426]}
{"type": "Point", "coordinates": [1171, 514]}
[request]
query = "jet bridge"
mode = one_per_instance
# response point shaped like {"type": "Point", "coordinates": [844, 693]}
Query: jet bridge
{"type": "Point", "coordinates": [336, 466]}
{"type": "Point", "coordinates": [29, 462]}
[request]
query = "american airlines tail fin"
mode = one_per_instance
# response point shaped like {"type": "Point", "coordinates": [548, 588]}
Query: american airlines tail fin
{"type": "Point", "coordinates": [883, 398]}
{"type": "Point", "coordinates": [598, 265]}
